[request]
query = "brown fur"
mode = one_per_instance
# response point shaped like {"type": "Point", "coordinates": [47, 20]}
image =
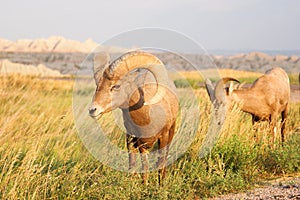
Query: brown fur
{"type": "Point", "coordinates": [145, 124]}
{"type": "Point", "coordinates": [266, 99]}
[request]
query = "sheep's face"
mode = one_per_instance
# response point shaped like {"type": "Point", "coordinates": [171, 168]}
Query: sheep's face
{"type": "Point", "coordinates": [109, 95]}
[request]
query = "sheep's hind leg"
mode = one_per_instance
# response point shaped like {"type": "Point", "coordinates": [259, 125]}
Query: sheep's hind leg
{"type": "Point", "coordinates": [161, 164]}
{"type": "Point", "coordinates": [283, 122]}
{"type": "Point", "coordinates": [163, 145]}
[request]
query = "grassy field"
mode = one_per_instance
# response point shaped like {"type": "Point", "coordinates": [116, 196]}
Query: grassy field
{"type": "Point", "coordinates": [192, 78]}
{"type": "Point", "coordinates": [42, 157]}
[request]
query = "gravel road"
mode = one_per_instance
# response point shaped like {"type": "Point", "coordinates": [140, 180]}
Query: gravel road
{"type": "Point", "coordinates": [289, 188]}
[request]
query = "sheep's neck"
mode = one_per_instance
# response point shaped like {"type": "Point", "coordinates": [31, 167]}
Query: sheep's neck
{"type": "Point", "coordinates": [251, 101]}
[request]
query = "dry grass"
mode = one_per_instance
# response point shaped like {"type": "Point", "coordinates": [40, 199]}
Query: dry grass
{"type": "Point", "coordinates": [41, 156]}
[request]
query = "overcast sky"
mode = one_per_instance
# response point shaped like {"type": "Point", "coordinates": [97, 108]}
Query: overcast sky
{"type": "Point", "coordinates": [216, 24]}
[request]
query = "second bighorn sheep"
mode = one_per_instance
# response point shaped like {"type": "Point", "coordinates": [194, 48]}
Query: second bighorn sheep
{"type": "Point", "coordinates": [149, 110]}
{"type": "Point", "coordinates": [266, 99]}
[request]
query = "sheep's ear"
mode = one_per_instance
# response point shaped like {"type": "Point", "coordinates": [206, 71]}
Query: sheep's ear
{"type": "Point", "coordinates": [231, 88]}
{"type": "Point", "coordinates": [101, 61]}
{"type": "Point", "coordinates": [210, 90]}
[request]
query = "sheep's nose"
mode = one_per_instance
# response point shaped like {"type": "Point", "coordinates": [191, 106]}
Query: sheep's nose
{"type": "Point", "coordinates": [92, 110]}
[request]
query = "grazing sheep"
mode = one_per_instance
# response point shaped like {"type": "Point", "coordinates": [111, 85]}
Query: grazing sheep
{"type": "Point", "coordinates": [149, 111]}
{"type": "Point", "coordinates": [266, 99]}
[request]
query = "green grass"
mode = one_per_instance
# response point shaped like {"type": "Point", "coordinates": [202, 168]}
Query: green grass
{"type": "Point", "coordinates": [42, 157]}
{"type": "Point", "coordinates": [194, 79]}
{"type": "Point", "coordinates": [294, 78]}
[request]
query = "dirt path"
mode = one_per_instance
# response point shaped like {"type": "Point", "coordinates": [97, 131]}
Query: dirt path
{"type": "Point", "coordinates": [283, 188]}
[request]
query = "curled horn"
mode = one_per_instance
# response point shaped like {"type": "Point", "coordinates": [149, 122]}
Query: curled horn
{"type": "Point", "coordinates": [219, 93]}
{"type": "Point", "coordinates": [210, 89]}
{"type": "Point", "coordinates": [101, 61]}
{"type": "Point", "coordinates": [134, 60]}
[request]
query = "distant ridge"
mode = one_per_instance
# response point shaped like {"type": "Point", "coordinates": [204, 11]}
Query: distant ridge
{"type": "Point", "coordinates": [66, 55]}
{"type": "Point", "coordinates": [258, 61]}
{"type": "Point", "coordinates": [269, 52]}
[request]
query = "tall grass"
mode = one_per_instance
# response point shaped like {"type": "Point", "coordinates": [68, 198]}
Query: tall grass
{"type": "Point", "coordinates": [41, 156]}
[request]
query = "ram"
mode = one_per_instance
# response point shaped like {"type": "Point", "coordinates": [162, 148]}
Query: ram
{"type": "Point", "coordinates": [266, 99]}
{"type": "Point", "coordinates": [149, 109]}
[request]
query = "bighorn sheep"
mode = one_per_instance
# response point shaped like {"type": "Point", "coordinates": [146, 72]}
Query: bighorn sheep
{"type": "Point", "coordinates": [149, 111]}
{"type": "Point", "coordinates": [264, 100]}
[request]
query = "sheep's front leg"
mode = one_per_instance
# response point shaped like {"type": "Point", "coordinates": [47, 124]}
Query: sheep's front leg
{"type": "Point", "coordinates": [273, 129]}
{"type": "Point", "coordinates": [132, 152]}
{"type": "Point", "coordinates": [255, 128]}
{"type": "Point", "coordinates": [145, 164]}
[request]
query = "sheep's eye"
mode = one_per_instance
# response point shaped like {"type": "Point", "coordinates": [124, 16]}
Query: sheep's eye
{"type": "Point", "coordinates": [115, 87]}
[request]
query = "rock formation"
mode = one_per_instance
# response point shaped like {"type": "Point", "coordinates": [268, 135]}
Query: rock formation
{"type": "Point", "coordinates": [7, 67]}
{"type": "Point", "coordinates": [52, 44]}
